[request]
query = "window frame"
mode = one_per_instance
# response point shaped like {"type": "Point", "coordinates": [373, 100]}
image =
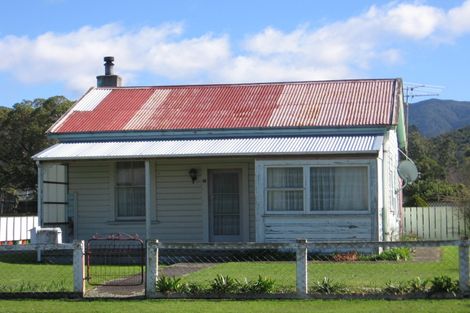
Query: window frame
{"type": "Point", "coordinates": [116, 193]}
{"type": "Point", "coordinates": [267, 189]}
{"type": "Point", "coordinates": [306, 165]}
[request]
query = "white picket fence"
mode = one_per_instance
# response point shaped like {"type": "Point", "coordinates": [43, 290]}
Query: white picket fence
{"type": "Point", "coordinates": [434, 223]}
{"type": "Point", "coordinates": [16, 228]}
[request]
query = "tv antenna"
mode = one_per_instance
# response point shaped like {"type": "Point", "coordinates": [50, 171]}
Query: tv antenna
{"type": "Point", "coordinates": [414, 90]}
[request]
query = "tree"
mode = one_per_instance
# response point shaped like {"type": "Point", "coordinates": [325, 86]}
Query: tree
{"type": "Point", "coordinates": [444, 167]}
{"type": "Point", "coordinates": [23, 131]}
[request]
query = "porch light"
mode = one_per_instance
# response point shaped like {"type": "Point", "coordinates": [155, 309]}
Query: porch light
{"type": "Point", "coordinates": [193, 174]}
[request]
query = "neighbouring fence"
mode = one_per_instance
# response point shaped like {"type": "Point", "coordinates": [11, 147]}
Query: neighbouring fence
{"type": "Point", "coordinates": [60, 271]}
{"type": "Point", "coordinates": [434, 223]}
{"type": "Point", "coordinates": [302, 268]}
{"type": "Point", "coordinates": [14, 229]}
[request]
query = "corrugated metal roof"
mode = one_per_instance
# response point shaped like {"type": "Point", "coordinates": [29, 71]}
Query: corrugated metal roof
{"type": "Point", "coordinates": [342, 103]}
{"type": "Point", "coordinates": [212, 147]}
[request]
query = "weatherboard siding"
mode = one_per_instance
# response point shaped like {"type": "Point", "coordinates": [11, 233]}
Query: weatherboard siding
{"type": "Point", "coordinates": [392, 186]}
{"type": "Point", "coordinates": [280, 228]}
{"type": "Point", "coordinates": [180, 205]}
{"type": "Point", "coordinates": [317, 226]}
{"type": "Point", "coordinates": [91, 184]}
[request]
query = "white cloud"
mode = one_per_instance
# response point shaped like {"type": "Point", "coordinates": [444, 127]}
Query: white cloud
{"type": "Point", "coordinates": [73, 58]}
{"type": "Point", "coordinates": [414, 21]}
{"type": "Point", "coordinates": [341, 49]}
{"type": "Point", "coordinates": [347, 48]}
{"type": "Point", "coordinates": [459, 19]}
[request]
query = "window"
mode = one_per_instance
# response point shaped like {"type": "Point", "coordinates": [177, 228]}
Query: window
{"type": "Point", "coordinates": [317, 187]}
{"type": "Point", "coordinates": [130, 190]}
{"type": "Point", "coordinates": [338, 188]}
{"type": "Point", "coordinates": [285, 189]}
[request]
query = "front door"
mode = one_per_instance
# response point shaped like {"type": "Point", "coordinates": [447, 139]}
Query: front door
{"type": "Point", "coordinates": [224, 205]}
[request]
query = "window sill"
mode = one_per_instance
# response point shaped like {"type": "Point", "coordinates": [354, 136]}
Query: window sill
{"type": "Point", "coordinates": [131, 222]}
{"type": "Point", "coordinates": [315, 213]}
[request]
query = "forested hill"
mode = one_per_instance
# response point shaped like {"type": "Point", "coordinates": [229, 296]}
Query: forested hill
{"type": "Point", "coordinates": [434, 117]}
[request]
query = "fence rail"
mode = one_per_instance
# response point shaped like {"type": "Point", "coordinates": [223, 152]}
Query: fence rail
{"type": "Point", "coordinates": [434, 223]}
{"type": "Point", "coordinates": [303, 268]}
{"type": "Point", "coordinates": [16, 228]}
{"type": "Point", "coordinates": [60, 270]}
{"type": "Point", "coordinates": [251, 270]}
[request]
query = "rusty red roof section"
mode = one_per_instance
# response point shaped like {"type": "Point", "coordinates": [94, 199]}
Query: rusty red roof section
{"type": "Point", "coordinates": [342, 103]}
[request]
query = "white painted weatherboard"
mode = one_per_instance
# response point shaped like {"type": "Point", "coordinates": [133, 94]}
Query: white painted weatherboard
{"type": "Point", "coordinates": [316, 225]}
{"type": "Point", "coordinates": [181, 206]}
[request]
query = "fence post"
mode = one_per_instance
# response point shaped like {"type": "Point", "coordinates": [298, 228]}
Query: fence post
{"type": "Point", "coordinates": [464, 266]}
{"type": "Point", "coordinates": [301, 268]}
{"type": "Point", "coordinates": [152, 269]}
{"type": "Point", "coordinates": [79, 267]}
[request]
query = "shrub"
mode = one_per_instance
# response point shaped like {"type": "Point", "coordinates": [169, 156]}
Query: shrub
{"type": "Point", "coordinates": [327, 286]}
{"type": "Point", "coordinates": [444, 284]}
{"type": "Point", "coordinates": [225, 284]}
{"type": "Point", "coordinates": [418, 285]}
{"type": "Point", "coordinates": [400, 288]}
{"type": "Point", "coordinates": [396, 288]}
{"type": "Point", "coordinates": [193, 288]}
{"type": "Point", "coordinates": [259, 286]}
{"type": "Point", "coordinates": [394, 254]}
{"type": "Point", "coordinates": [169, 284]}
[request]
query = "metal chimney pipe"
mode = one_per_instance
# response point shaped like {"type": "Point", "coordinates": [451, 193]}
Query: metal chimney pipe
{"type": "Point", "coordinates": [109, 65]}
{"type": "Point", "coordinates": [108, 79]}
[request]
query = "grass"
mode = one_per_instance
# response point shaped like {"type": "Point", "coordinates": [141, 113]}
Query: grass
{"type": "Point", "coordinates": [100, 274]}
{"type": "Point", "coordinates": [269, 306]}
{"type": "Point", "coordinates": [21, 273]}
{"type": "Point", "coordinates": [29, 276]}
{"type": "Point", "coordinates": [353, 275]}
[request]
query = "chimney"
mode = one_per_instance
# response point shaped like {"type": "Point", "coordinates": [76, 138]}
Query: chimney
{"type": "Point", "coordinates": [109, 79]}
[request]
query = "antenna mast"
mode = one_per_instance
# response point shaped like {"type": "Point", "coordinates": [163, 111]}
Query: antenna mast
{"type": "Point", "coordinates": [414, 90]}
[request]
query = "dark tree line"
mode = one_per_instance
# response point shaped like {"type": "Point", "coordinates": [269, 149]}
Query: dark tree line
{"type": "Point", "coordinates": [22, 134]}
{"type": "Point", "coordinates": [444, 166]}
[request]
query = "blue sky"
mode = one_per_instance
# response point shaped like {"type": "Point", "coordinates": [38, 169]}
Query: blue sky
{"type": "Point", "coordinates": [56, 47]}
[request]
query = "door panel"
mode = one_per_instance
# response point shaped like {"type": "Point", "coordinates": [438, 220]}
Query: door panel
{"type": "Point", "coordinates": [224, 204]}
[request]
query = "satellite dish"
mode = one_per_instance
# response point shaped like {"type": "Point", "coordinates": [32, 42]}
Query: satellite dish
{"type": "Point", "coordinates": [407, 171]}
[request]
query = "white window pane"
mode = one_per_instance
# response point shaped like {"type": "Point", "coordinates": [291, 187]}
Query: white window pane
{"type": "Point", "coordinates": [130, 189]}
{"type": "Point", "coordinates": [285, 177]}
{"type": "Point", "coordinates": [338, 188]}
{"type": "Point", "coordinates": [285, 200]}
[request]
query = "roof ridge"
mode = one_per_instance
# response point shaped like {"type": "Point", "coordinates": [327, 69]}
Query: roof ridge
{"type": "Point", "coordinates": [244, 84]}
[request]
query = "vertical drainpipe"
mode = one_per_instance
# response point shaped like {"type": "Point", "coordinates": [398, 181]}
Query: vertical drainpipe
{"type": "Point", "coordinates": [148, 201]}
{"type": "Point", "coordinates": [40, 193]}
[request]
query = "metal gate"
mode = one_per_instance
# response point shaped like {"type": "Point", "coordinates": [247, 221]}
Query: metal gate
{"type": "Point", "coordinates": [115, 260]}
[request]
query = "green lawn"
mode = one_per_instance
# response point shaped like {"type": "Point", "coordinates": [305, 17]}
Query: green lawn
{"type": "Point", "coordinates": [20, 272]}
{"type": "Point", "coordinates": [274, 306]}
{"type": "Point", "coordinates": [367, 274]}
{"type": "Point", "coordinates": [29, 276]}
{"type": "Point", "coordinates": [100, 274]}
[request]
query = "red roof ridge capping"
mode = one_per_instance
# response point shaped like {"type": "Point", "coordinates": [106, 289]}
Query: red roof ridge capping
{"type": "Point", "coordinates": [330, 103]}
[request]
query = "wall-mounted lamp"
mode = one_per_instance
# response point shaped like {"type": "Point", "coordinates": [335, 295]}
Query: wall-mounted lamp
{"type": "Point", "coordinates": [193, 174]}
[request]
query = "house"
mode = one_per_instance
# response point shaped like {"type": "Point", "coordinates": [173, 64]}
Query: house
{"type": "Point", "coordinates": [264, 162]}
